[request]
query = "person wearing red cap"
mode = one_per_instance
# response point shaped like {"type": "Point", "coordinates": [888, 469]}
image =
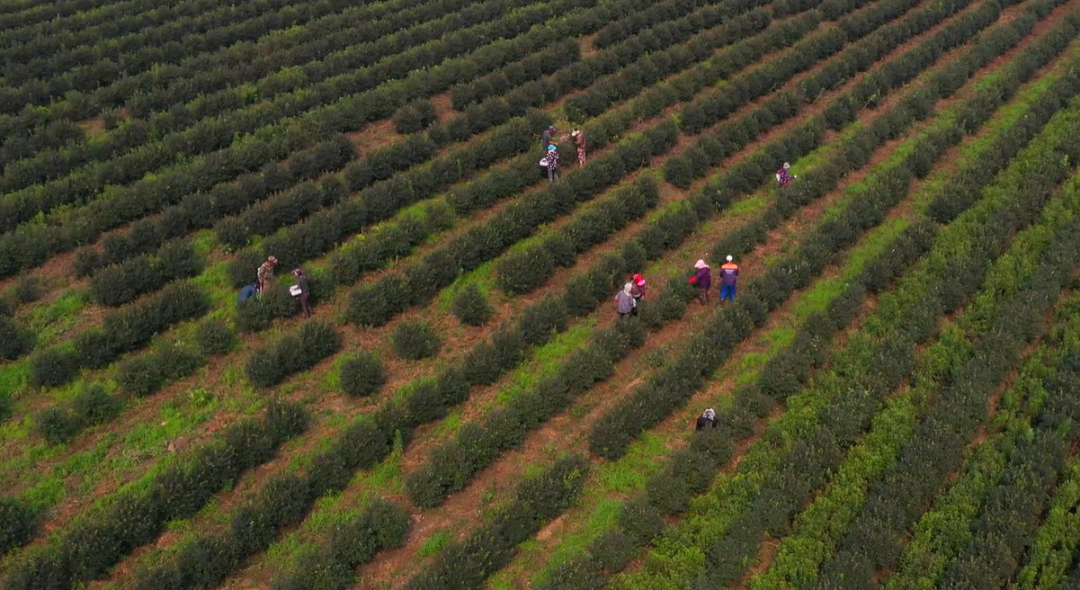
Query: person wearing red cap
{"type": "Point", "coordinates": [637, 290]}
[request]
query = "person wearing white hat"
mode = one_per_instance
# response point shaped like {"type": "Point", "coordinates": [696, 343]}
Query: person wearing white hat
{"type": "Point", "coordinates": [729, 275]}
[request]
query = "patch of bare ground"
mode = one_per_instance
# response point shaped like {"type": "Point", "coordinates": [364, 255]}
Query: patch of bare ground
{"type": "Point", "coordinates": [588, 48]}
{"type": "Point", "coordinates": [93, 127]}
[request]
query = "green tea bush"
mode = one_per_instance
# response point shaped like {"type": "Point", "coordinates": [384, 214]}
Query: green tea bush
{"type": "Point", "coordinates": [362, 375]}
{"type": "Point", "coordinates": [415, 340]}
{"type": "Point", "coordinates": [536, 500]}
{"type": "Point", "coordinates": [271, 364]}
{"type": "Point", "coordinates": [51, 367]}
{"type": "Point", "coordinates": [14, 341]}
{"type": "Point", "coordinates": [414, 117]}
{"type": "Point", "coordinates": [56, 425]}
{"type": "Point", "coordinates": [214, 337]}
{"type": "Point", "coordinates": [471, 306]}
{"type": "Point", "coordinates": [18, 522]}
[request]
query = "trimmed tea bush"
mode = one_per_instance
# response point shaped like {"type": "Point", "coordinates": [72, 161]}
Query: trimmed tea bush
{"type": "Point", "coordinates": [415, 340]}
{"type": "Point", "coordinates": [271, 364]}
{"type": "Point", "coordinates": [362, 375]}
{"type": "Point", "coordinates": [214, 337]}
{"type": "Point", "coordinates": [472, 306]}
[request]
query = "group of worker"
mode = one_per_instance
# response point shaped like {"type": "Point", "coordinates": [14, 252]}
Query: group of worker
{"type": "Point", "coordinates": [550, 161]}
{"type": "Point", "coordinates": [264, 280]}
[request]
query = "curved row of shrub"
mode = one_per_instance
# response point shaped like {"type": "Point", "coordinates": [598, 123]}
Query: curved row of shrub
{"type": "Point", "coordinates": [204, 136]}
{"type": "Point", "coordinates": [355, 541]}
{"type": "Point", "coordinates": [937, 446]}
{"type": "Point", "coordinates": [27, 137]}
{"type": "Point", "coordinates": [54, 164]}
{"type": "Point", "coordinates": [816, 531]}
{"type": "Point", "coordinates": [537, 500]}
{"type": "Point", "coordinates": [325, 229]}
{"type": "Point", "coordinates": [1053, 546]}
{"type": "Point", "coordinates": [32, 244]}
{"type": "Point", "coordinates": [874, 361]}
{"type": "Point", "coordinates": [217, 132]}
{"type": "Point", "coordinates": [856, 57]}
{"type": "Point", "coordinates": [945, 528]}
{"type": "Point", "coordinates": [87, 548]}
{"type": "Point", "coordinates": [270, 364]}
{"type": "Point", "coordinates": [136, 377]}
{"type": "Point", "coordinates": [545, 63]}
{"type": "Point", "coordinates": [401, 187]}
{"type": "Point", "coordinates": [450, 468]}
{"type": "Point", "coordinates": [120, 284]}
{"type": "Point", "coordinates": [169, 42]}
{"type": "Point", "coordinates": [362, 44]}
{"type": "Point", "coordinates": [125, 330]}
{"type": "Point", "coordinates": [654, 401]}
{"type": "Point", "coordinates": [524, 271]}
{"type": "Point", "coordinates": [375, 166]}
{"type": "Point", "coordinates": [786, 373]}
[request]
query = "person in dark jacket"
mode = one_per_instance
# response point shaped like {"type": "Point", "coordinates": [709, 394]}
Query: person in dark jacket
{"type": "Point", "coordinates": [546, 140]}
{"type": "Point", "coordinates": [247, 292]}
{"type": "Point", "coordinates": [707, 419]}
{"type": "Point", "coordinates": [305, 291]}
{"type": "Point", "coordinates": [703, 280]}
{"type": "Point", "coordinates": [729, 275]}
{"type": "Point", "coordinates": [552, 163]}
{"type": "Point", "coordinates": [624, 301]}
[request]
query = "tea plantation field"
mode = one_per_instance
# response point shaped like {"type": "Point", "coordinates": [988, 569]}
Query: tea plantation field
{"type": "Point", "coordinates": [896, 384]}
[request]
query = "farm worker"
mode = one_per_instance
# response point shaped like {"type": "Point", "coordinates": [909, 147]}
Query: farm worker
{"type": "Point", "coordinates": [783, 177]}
{"type": "Point", "coordinates": [547, 136]}
{"type": "Point", "coordinates": [265, 273]}
{"type": "Point", "coordinates": [552, 162]}
{"type": "Point", "coordinates": [579, 141]}
{"type": "Point", "coordinates": [729, 275]}
{"type": "Point", "coordinates": [703, 280]}
{"type": "Point", "coordinates": [624, 301]}
{"type": "Point", "coordinates": [707, 419]}
{"type": "Point", "coordinates": [305, 291]}
{"type": "Point", "coordinates": [247, 292]}
{"type": "Point", "coordinates": [638, 290]}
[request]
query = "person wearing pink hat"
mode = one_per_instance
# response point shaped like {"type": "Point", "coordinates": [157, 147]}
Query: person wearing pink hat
{"type": "Point", "coordinates": [703, 280]}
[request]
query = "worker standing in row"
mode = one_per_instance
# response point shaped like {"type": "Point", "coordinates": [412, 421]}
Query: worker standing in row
{"type": "Point", "coordinates": [729, 275]}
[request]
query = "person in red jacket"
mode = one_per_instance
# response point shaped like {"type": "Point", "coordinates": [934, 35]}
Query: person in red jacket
{"type": "Point", "coordinates": [703, 280]}
{"type": "Point", "coordinates": [637, 291]}
{"type": "Point", "coordinates": [729, 275]}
